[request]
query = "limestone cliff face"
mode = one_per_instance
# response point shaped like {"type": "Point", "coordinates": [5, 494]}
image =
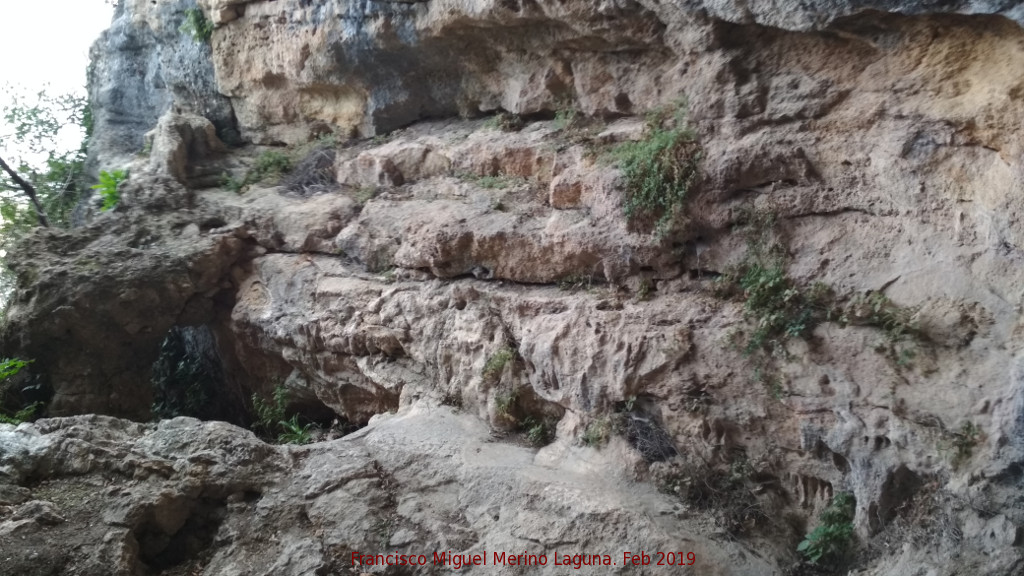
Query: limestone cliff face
{"type": "Point", "coordinates": [881, 136]}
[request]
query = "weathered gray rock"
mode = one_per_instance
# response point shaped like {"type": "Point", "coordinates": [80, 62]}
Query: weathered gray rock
{"type": "Point", "coordinates": [882, 138]}
{"type": "Point", "coordinates": [211, 497]}
{"type": "Point", "coordinates": [186, 148]}
{"type": "Point", "coordinates": [172, 278]}
{"type": "Point", "coordinates": [820, 14]}
{"type": "Point", "coordinates": [144, 66]}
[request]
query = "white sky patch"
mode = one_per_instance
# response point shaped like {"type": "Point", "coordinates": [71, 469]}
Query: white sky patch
{"type": "Point", "coordinates": [46, 46]}
{"type": "Point", "coordinates": [48, 41]}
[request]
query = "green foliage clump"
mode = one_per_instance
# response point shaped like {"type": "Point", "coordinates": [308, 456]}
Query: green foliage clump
{"type": "Point", "coordinates": [876, 309]}
{"type": "Point", "coordinates": [779, 308]}
{"type": "Point", "coordinates": [272, 420]}
{"type": "Point", "coordinates": [506, 122]}
{"type": "Point", "coordinates": [576, 282]}
{"type": "Point", "coordinates": [268, 167]}
{"type": "Point", "coordinates": [107, 187]}
{"type": "Point", "coordinates": [536, 427]}
{"type": "Point", "coordinates": [538, 431]}
{"type": "Point", "coordinates": [497, 361]}
{"type": "Point", "coordinates": [9, 368]}
{"type": "Point", "coordinates": [660, 169]}
{"type": "Point", "coordinates": [270, 164]}
{"type": "Point", "coordinates": [645, 289]}
{"type": "Point", "coordinates": [34, 137]}
{"type": "Point", "coordinates": [600, 431]}
{"type": "Point", "coordinates": [187, 381]}
{"type": "Point", "coordinates": [499, 182]}
{"type": "Point", "coordinates": [293, 432]}
{"type": "Point", "coordinates": [566, 117]}
{"type": "Point", "coordinates": [364, 194]}
{"type": "Point", "coordinates": [197, 25]}
{"type": "Point", "coordinates": [24, 415]}
{"type": "Point", "coordinates": [964, 441]}
{"type": "Point", "coordinates": [505, 404]}
{"type": "Point", "coordinates": [269, 412]}
{"type": "Point", "coordinates": [832, 539]}
{"type": "Point", "coordinates": [776, 305]}
{"type": "Point", "coordinates": [230, 182]}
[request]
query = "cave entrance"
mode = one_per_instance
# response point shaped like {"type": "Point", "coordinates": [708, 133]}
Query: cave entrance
{"type": "Point", "coordinates": [188, 379]}
{"type": "Point", "coordinates": [177, 533]}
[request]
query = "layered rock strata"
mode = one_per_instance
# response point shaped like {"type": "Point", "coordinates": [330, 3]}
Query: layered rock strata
{"type": "Point", "coordinates": [880, 138]}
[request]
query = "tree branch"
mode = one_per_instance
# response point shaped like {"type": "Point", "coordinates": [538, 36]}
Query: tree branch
{"type": "Point", "coordinates": [29, 191]}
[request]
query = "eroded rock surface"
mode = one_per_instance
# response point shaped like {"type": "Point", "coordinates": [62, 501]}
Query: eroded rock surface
{"type": "Point", "coordinates": [882, 139]}
{"type": "Point", "coordinates": [126, 499]}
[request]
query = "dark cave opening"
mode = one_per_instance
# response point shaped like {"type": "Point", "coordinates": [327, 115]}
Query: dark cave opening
{"type": "Point", "coordinates": [163, 546]}
{"type": "Point", "coordinates": [188, 379]}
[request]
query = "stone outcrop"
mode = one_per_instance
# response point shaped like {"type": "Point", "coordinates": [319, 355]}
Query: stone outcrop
{"type": "Point", "coordinates": [128, 279]}
{"type": "Point", "coordinates": [880, 136]}
{"type": "Point", "coordinates": [127, 499]}
{"type": "Point", "coordinates": [186, 148]}
{"type": "Point", "coordinates": [144, 66]}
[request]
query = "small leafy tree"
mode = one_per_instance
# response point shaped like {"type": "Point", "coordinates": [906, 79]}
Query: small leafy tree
{"type": "Point", "coordinates": [41, 176]}
{"type": "Point", "coordinates": [831, 540]}
{"type": "Point", "coordinates": [107, 188]}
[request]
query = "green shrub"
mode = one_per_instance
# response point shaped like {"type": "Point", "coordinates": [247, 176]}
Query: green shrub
{"type": "Point", "coordinates": [499, 182]}
{"type": "Point", "coordinates": [659, 170]}
{"type": "Point", "coordinates": [566, 117]}
{"type": "Point", "coordinates": [293, 432]}
{"type": "Point", "coordinates": [645, 289]}
{"type": "Point", "coordinates": [270, 163]}
{"type": "Point", "coordinates": [10, 367]}
{"type": "Point", "coordinates": [832, 539]}
{"type": "Point", "coordinates": [107, 188]}
{"type": "Point", "coordinates": [599, 432]}
{"type": "Point", "coordinates": [497, 361]}
{"type": "Point", "coordinates": [268, 167]}
{"type": "Point", "coordinates": [778, 308]}
{"type": "Point", "coordinates": [271, 418]}
{"type": "Point", "coordinates": [538, 432]}
{"type": "Point", "coordinates": [877, 310]}
{"type": "Point", "coordinates": [965, 440]}
{"type": "Point", "coordinates": [231, 183]}
{"type": "Point", "coordinates": [197, 25]}
{"type": "Point", "coordinates": [505, 404]}
{"type": "Point", "coordinates": [776, 305]}
{"type": "Point", "coordinates": [327, 140]}
{"type": "Point", "coordinates": [24, 415]}
{"type": "Point", "coordinates": [506, 122]}
{"type": "Point", "coordinates": [576, 282]}
{"type": "Point", "coordinates": [269, 412]}
{"type": "Point", "coordinates": [364, 194]}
